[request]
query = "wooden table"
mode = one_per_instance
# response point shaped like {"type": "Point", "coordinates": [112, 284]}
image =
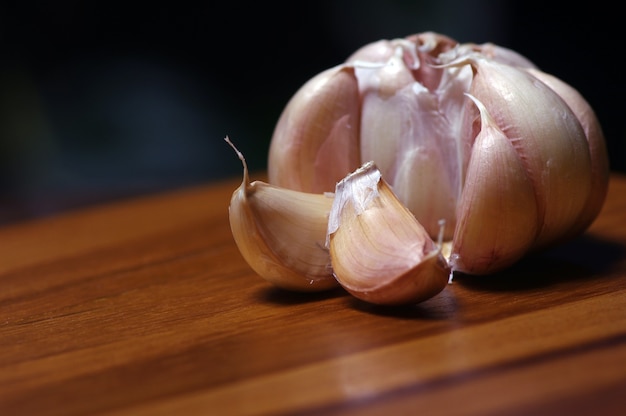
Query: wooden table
{"type": "Point", "coordinates": [145, 307]}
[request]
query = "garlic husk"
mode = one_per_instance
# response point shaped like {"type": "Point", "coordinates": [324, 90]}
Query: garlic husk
{"type": "Point", "coordinates": [316, 140]}
{"type": "Point", "coordinates": [414, 143]}
{"type": "Point", "coordinates": [281, 234]}
{"type": "Point", "coordinates": [380, 253]}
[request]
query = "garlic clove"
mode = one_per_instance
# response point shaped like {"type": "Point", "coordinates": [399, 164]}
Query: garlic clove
{"type": "Point", "coordinates": [597, 147]}
{"type": "Point", "coordinates": [379, 252]}
{"type": "Point", "coordinates": [281, 233]}
{"type": "Point", "coordinates": [498, 219]}
{"type": "Point", "coordinates": [316, 140]}
{"type": "Point", "coordinates": [548, 138]}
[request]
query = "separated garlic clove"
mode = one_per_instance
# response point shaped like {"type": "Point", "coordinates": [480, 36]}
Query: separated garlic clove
{"type": "Point", "coordinates": [281, 233]}
{"type": "Point", "coordinates": [380, 253]}
{"type": "Point", "coordinates": [316, 140]}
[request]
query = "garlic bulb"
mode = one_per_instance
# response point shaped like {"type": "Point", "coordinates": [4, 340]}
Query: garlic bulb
{"type": "Point", "coordinates": [511, 158]}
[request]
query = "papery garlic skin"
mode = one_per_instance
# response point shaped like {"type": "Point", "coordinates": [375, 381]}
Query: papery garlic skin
{"type": "Point", "coordinates": [525, 143]}
{"type": "Point", "coordinates": [419, 154]}
{"type": "Point", "coordinates": [380, 253]}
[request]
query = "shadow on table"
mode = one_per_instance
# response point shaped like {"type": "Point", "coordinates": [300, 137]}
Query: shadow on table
{"type": "Point", "coordinates": [283, 297]}
{"type": "Point", "coordinates": [584, 258]}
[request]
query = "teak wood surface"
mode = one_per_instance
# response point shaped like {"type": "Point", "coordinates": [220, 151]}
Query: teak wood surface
{"type": "Point", "coordinates": [146, 307]}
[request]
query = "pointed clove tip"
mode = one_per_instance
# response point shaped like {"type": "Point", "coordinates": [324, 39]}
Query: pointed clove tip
{"type": "Point", "coordinates": [246, 178]}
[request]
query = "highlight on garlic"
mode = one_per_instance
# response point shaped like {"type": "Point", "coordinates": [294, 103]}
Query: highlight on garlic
{"type": "Point", "coordinates": [511, 159]}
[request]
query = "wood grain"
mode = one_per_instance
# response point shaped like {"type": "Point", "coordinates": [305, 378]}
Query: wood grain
{"type": "Point", "coordinates": [145, 307]}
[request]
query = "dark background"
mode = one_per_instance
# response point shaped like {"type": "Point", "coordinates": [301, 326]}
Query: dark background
{"type": "Point", "coordinates": [105, 100]}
